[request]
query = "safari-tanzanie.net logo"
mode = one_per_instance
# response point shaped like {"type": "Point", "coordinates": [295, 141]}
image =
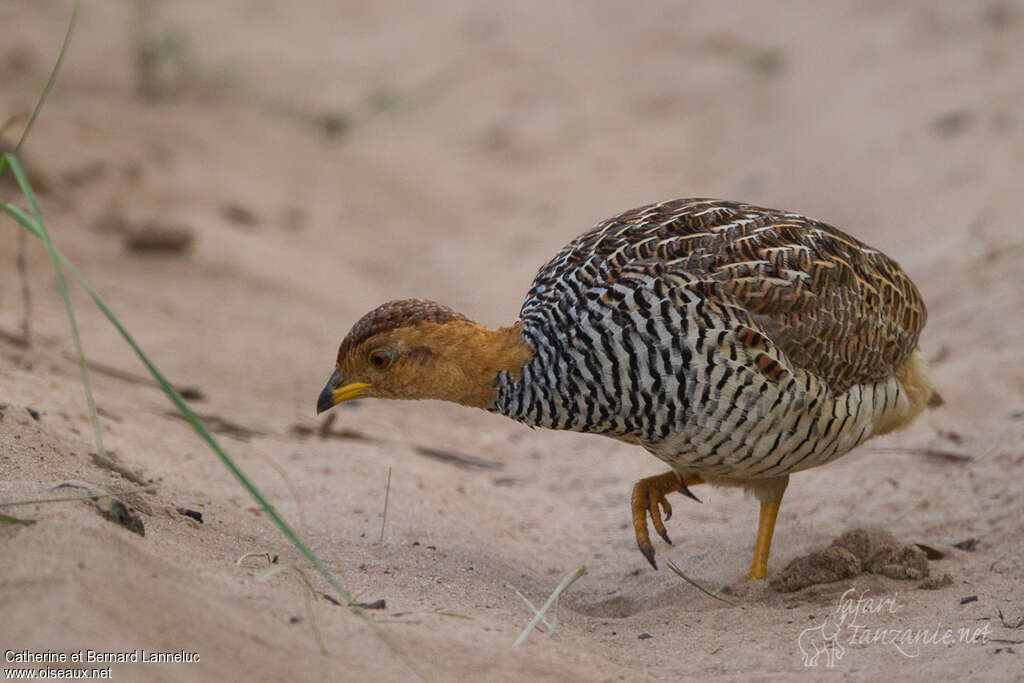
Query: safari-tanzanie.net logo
{"type": "Point", "coordinates": [860, 620]}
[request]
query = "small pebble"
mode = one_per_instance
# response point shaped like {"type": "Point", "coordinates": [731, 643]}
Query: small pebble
{"type": "Point", "coordinates": [967, 544]}
{"type": "Point", "coordinates": [936, 582]}
{"type": "Point", "coordinates": [191, 394]}
{"type": "Point", "coordinates": [159, 238]}
{"type": "Point", "coordinates": [194, 514]}
{"type": "Point", "coordinates": [239, 215]}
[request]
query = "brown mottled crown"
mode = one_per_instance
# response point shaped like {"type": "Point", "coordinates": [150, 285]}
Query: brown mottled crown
{"type": "Point", "coordinates": [395, 314]}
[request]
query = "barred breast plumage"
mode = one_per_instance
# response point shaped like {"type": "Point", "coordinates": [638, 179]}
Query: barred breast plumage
{"type": "Point", "coordinates": [739, 344]}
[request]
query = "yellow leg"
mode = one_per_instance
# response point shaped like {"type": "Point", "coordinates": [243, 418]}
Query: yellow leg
{"type": "Point", "coordinates": [765, 529]}
{"type": "Point", "coordinates": [648, 495]}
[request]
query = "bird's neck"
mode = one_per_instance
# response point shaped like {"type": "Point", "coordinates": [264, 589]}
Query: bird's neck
{"type": "Point", "coordinates": [470, 358]}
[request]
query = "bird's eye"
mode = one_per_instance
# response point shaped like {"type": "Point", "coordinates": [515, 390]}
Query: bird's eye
{"type": "Point", "coordinates": [380, 358]}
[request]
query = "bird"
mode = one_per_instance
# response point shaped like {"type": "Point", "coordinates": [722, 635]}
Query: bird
{"type": "Point", "coordinates": [736, 343]}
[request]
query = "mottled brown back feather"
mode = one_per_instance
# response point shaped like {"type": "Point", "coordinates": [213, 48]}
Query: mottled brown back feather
{"type": "Point", "coordinates": [834, 306]}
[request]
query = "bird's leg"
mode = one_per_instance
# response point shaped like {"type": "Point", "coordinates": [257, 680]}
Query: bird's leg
{"type": "Point", "coordinates": [765, 528]}
{"type": "Point", "coordinates": [771, 499]}
{"type": "Point", "coordinates": [649, 498]}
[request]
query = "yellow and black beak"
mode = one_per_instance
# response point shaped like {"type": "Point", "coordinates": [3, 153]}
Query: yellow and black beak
{"type": "Point", "coordinates": [337, 391]}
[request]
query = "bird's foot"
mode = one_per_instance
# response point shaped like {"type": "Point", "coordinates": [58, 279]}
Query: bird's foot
{"type": "Point", "coordinates": [649, 499]}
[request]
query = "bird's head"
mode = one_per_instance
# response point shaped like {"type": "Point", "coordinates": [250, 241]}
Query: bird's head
{"type": "Point", "coordinates": [413, 349]}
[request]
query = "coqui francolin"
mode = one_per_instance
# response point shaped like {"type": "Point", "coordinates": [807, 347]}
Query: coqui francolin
{"type": "Point", "coordinates": [736, 343]}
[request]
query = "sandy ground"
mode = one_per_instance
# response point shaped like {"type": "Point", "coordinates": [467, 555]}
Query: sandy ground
{"type": "Point", "coordinates": [327, 157]}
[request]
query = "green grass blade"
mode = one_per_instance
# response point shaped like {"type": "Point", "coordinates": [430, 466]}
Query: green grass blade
{"type": "Point", "coordinates": [55, 260]}
{"type": "Point", "coordinates": [85, 496]}
{"type": "Point", "coordinates": [7, 519]}
{"type": "Point", "coordinates": [52, 79]}
{"type": "Point", "coordinates": [702, 589]}
{"type": "Point", "coordinates": [16, 213]}
{"type": "Point", "coordinates": [384, 519]}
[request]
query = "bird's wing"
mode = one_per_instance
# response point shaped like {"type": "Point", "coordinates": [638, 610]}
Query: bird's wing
{"type": "Point", "coordinates": [834, 306]}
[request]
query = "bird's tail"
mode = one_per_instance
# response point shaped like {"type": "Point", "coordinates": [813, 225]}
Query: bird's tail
{"type": "Point", "coordinates": [915, 378]}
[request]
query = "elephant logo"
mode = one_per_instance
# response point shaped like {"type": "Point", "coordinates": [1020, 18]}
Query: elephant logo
{"type": "Point", "coordinates": [819, 640]}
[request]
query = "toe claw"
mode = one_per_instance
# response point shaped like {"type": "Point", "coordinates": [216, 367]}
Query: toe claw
{"type": "Point", "coordinates": [664, 535]}
{"type": "Point", "coordinates": [688, 493]}
{"type": "Point", "coordinates": [649, 554]}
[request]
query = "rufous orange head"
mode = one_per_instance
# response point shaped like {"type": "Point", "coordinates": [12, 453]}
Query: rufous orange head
{"type": "Point", "coordinates": [412, 349]}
